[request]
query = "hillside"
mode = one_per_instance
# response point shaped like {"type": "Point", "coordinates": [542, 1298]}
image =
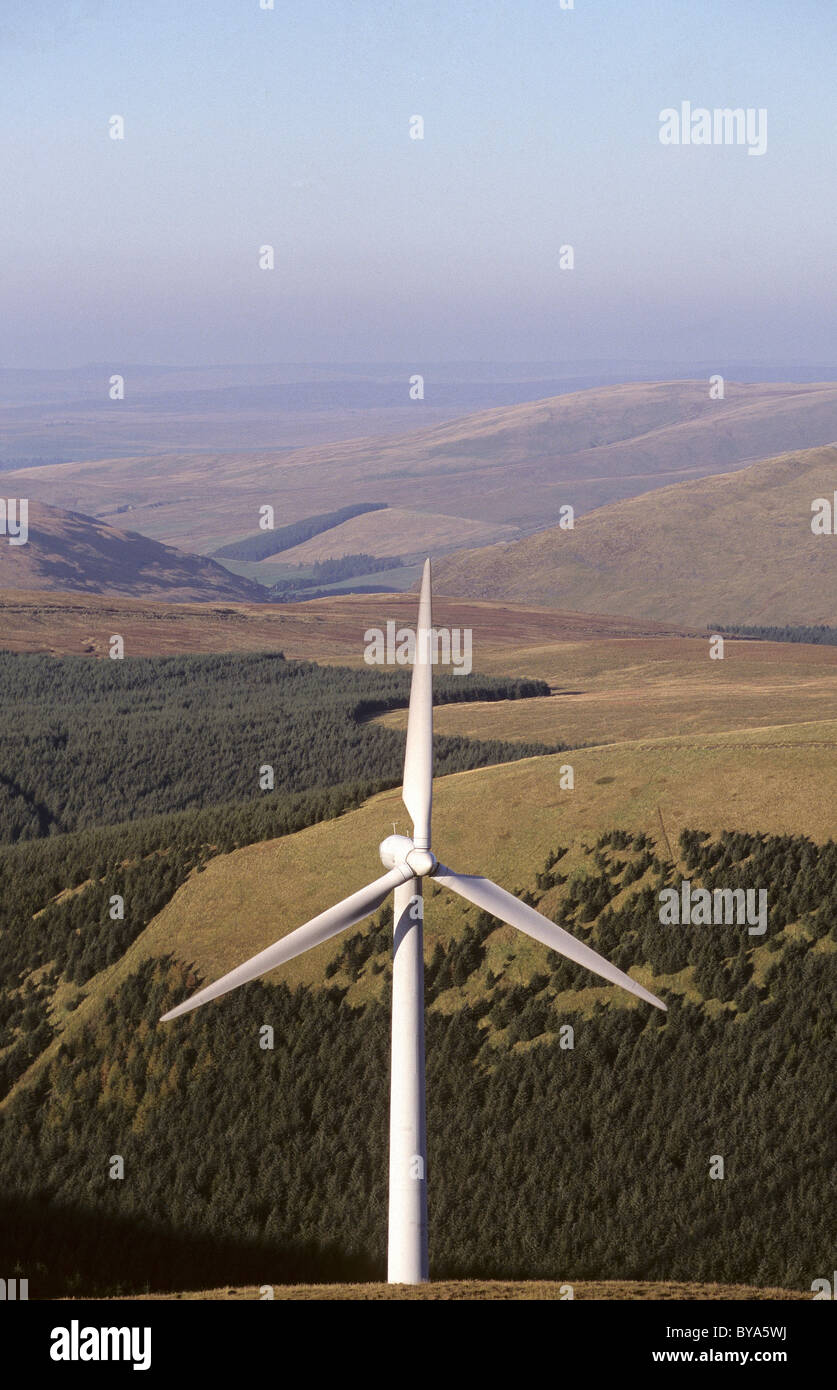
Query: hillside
{"type": "Point", "coordinates": [514, 465]}
{"type": "Point", "coordinates": [195, 732]}
{"type": "Point", "coordinates": [328, 630]}
{"type": "Point", "coordinates": [736, 548]}
{"type": "Point", "coordinates": [627, 687]}
{"type": "Point", "coordinates": [68, 551]}
{"type": "Point", "coordinates": [397, 531]}
{"type": "Point", "coordinates": [604, 1146]}
{"type": "Point", "coordinates": [519, 811]}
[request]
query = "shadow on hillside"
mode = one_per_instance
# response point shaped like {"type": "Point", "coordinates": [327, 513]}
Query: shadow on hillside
{"type": "Point", "coordinates": [77, 1251]}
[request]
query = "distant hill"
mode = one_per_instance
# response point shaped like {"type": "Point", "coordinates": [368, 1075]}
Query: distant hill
{"type": "Point", "coordinates": [328, 631]}
{"type": "Point", "coordinates": [515, 465]}
{"type": "Point", "coordinates": [735, 548]}
{"type": "Point", "coordinates": [398, 531]}
{"type": "Point", "coordinates": [69, 551]}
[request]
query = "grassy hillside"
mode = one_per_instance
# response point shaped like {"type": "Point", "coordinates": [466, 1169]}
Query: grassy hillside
{"type": "Point", "coordinates": [328, 630]}
{"type": "Point", "coordinates": [240, 902]}
{"type": "Point", "coordinates": [398, 531]}
{"type": "Point", "coordinates": [625, 688]}
{"type": "Point", "coordinates": [520, 813]}
{"type": "Point", "coordinates": [68, 551]}
{"type": "Point", "coordinates": [737, 548]}
{"type": "Point", "coordinates": [514, 465]}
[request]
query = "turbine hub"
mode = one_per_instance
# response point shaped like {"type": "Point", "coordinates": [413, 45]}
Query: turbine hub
{"type": "Point", "coordinates": [422, 862]}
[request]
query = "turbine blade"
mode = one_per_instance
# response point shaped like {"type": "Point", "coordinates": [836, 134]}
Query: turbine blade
{"type": "Point", "coordinates": [418, 760]}
{"type": "Point", "coordinates": [491, 898]}
{"type": "Point", "coordinates": [335, 919]}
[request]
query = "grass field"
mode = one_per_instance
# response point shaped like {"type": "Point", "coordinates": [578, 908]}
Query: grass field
{"type": "Point", "coordinates": [328, 630]}
{"type": "Point", "coordinates": [476, 1290]}
{"type": "Point", "coordinates": [623, 688]}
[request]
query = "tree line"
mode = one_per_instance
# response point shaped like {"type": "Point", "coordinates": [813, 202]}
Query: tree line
{"type": "Point", "coordinates": [267, 543]}
{"type": "Point", "coordinates": [86, 743]}
{"type": "Point", "coordinates": [818, 635]}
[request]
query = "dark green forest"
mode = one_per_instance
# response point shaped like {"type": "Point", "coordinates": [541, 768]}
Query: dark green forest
{"type": "Point", "coordinates": [266, 543]}
{"type": "Point", "coordinates": [251, 1165]}
{"type": "Point", "coordinates": [109, 752]}
{"type": "Point", "coordinates": [331, 572]}
{"type": "Point", "coordinates": [821, 635]}
{"type": "Point", "coordinates": [93, 743]}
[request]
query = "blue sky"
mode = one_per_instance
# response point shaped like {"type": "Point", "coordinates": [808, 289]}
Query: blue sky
{"type": "Point", "coordinates": [290, 127]}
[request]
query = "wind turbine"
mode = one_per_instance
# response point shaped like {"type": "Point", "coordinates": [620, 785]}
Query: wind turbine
{"type": "Point", "coordinates": [408, 862]}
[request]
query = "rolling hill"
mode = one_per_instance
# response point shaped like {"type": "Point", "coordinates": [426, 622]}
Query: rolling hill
{"type": "Point", "coordinates": [68, 551]}
{"type": "Point", "coordinates": [519, 810]}
{"type": "Point", "coordinates": [328, 630]}
{"type": "Point", "coordinates": [397, 531]}
{"type": "Point", "coordinates": [734, 548]}
{"type": "Point", "coordinates": [513, 465]}
{"type": "Point", "coordinates": [603, 1145]}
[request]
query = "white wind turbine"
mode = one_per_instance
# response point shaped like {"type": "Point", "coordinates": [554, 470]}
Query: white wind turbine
{"type": "Point", "coordinates": [408, 862]}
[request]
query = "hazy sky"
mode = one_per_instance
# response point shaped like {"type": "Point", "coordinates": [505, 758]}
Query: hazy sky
{"type": "Point", "coordinates": [290, 126]}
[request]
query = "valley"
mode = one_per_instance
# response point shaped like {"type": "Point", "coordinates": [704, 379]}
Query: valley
{"type": "Point", "coordinates": [601, 758]}
{"type": "Point", "coordinates": [512, 466]}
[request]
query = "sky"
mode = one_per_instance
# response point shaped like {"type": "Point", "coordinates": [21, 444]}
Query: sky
{"type": "Point", "coordinates": [290, 127]}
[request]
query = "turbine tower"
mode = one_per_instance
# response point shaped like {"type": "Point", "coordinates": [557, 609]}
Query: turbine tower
{"type": "Point", "coordinates": [408, 862]}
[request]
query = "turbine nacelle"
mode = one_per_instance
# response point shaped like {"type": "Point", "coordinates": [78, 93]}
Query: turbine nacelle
{"type": "Point", "coordinates": [396, 851]}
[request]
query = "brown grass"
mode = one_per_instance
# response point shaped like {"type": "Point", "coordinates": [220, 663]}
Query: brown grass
{"type": "Point", "coordinates": [480, 1290]}
{"type": "Point", "coordinates": [730, 548]}
{"type": "Point", "coordinates": [623, 688]}
{"type": "Point", "coordinates": [328, 630]}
